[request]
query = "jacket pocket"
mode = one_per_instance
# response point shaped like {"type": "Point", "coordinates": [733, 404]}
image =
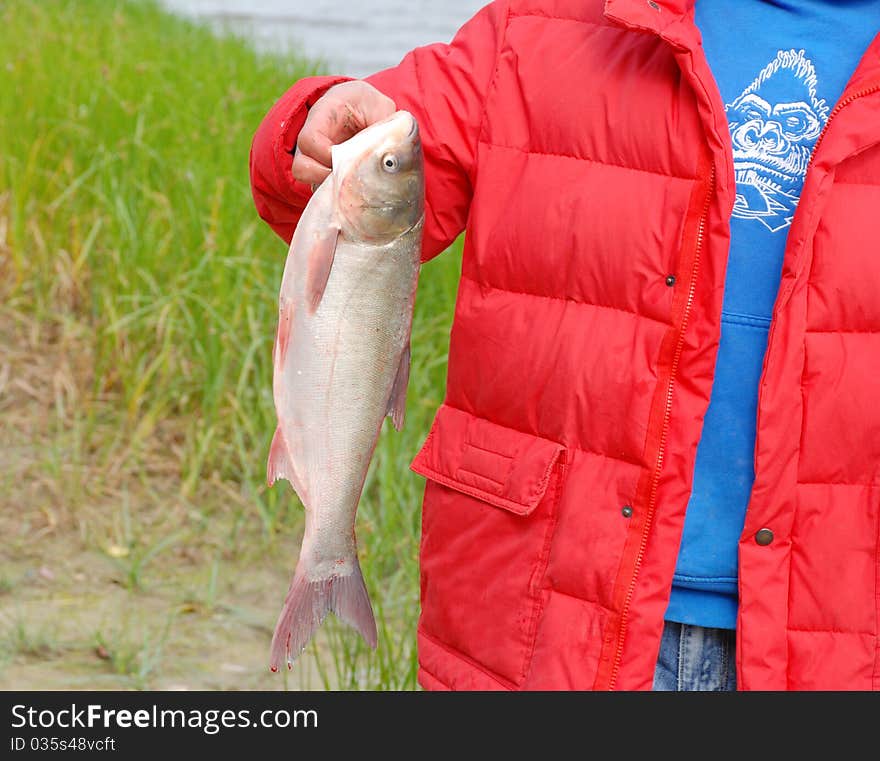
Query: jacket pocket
{"type": "Point", "coordinates": [487, 522]}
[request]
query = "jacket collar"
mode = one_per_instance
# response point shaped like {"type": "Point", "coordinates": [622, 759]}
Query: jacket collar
{"type": "Point", "coordinates": [671, 19]}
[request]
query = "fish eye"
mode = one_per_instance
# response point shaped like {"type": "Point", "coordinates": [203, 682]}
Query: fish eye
{"type": "Point", "coordinates": [390, 163]}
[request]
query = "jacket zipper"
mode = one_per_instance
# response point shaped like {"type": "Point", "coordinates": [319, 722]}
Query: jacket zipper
{"type": "Point", "coordinates": [834, 111]}
{"type": "Point", "coordinates": [840, 104]}
{"type": "Point", "coordinates": [661, 451]}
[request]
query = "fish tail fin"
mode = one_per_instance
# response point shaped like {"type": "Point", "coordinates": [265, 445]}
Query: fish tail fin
{"type": "Point", "coordinates": [351, 602]}
{"type": "Point", "coordinates": [306, 606]}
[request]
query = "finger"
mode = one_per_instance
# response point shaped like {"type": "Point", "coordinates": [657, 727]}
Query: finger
{"type": "Point", "coordinates": [333, 120]}
{"type": "Point", "coordinates": [314, 141]}
{"type": "Point", "coordinates": [307, 170]}
{"type": "Point", "coordinates": [377, 107]}
{"type": "Point", "coordinates": [360, 113]}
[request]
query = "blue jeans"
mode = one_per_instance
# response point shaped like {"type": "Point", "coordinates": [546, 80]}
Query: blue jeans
{"type": "Point", "coordinates": [696, 658]}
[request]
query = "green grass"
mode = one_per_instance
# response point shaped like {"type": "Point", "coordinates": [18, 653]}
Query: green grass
{"type": "Point", "coordinates": [133, 657]}
{"type": "Point", "coordinates": [126, 221]}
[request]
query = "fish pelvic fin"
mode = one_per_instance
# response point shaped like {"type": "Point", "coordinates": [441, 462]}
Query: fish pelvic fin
{"type": "Point", "coordinates": [397, 401]}
{"type": "Point", "coordinates": [306, 606]}
{"type": "Point", "coordinates": [282, 334]}
{"type": "Point", "coordinates": [280, 465]}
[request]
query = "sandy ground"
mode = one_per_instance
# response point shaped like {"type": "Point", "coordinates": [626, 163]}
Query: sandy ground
{"type": "Point", "coordinates": [110, 578]}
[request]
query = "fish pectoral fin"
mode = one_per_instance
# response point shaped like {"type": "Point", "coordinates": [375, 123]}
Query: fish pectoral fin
{"type": "Point", "coordinates": [281, 465]}
{"type": "Point", "coordinates": [397, 400]}
{"type": "Point", "coordinates": [320, 262]}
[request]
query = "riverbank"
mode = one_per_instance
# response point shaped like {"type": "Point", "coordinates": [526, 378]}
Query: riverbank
{"type": "Point", "coordinates": [141, 546]}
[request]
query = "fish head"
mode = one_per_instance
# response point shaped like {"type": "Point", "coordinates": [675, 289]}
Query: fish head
{"type": "Point", "coordinates": [378, 177]}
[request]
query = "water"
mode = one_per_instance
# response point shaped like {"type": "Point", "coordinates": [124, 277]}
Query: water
{"type": "Point", "coordinates": [352, 38]}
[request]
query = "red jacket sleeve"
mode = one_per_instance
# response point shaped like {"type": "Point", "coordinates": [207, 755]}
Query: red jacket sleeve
{"type": "Point", "coordinates": [279, 198]}
{"type": "Point", "coordinates": [443, 86]}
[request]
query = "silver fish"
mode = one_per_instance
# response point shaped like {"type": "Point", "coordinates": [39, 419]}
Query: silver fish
{"type": "Point", "coordinates": [341, 362]}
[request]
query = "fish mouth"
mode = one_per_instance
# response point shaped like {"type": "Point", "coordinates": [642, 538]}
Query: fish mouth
{"type": "Point", "coordinates": [414, 129]}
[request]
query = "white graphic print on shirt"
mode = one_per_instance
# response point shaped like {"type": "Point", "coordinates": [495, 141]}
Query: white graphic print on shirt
{"type": "Point", "coordinates": [774, 124]}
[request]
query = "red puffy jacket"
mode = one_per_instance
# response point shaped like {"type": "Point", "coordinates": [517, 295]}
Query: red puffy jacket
{"type": "Point", "coordinates": [584, 145]}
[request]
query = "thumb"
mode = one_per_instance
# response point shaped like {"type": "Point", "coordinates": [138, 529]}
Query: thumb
{"type": "Point", "coordinates": [375, 106]}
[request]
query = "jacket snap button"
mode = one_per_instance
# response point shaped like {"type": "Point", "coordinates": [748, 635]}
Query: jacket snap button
{"type": "Point", "coordinates": [626, 511]}
{"type": "Point", "coordinates": [764, 537]}
{"type": "Point", "coordinates": [670, 280]}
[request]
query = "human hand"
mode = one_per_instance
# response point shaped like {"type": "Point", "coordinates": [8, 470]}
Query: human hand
{"type": "Point", "coordinates": [342, 111]}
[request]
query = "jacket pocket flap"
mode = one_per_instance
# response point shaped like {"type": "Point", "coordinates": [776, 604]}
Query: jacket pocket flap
{"type": "Point", "coordinates": [501, 466]}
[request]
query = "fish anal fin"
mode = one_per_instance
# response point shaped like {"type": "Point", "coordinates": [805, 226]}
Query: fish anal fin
{"type": "Point", "coordinates": [280, 465]}
{"type": "Point", "coordinates": [397, 400]}
{"type": "Point", "coordinates": [319, 264]}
